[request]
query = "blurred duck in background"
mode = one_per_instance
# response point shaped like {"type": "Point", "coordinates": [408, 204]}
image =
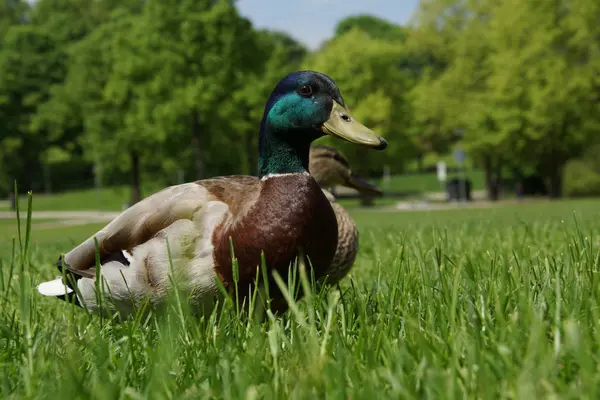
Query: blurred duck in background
{"type": "Point", "coordinates": [330, 168]}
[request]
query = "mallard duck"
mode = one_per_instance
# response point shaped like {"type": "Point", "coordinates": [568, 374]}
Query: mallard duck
{"type": "Point", "coordinates": [330, 168]}
{"type": "Point", "coordinates": [282, 212]}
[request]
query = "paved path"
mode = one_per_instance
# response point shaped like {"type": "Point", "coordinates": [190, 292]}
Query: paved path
{"type": "Point", "coordinates": [429, 206]}
{"type": "Point", "coordinates": [83, 217]}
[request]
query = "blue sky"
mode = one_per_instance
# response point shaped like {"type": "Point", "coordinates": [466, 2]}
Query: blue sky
{"type": "Point", "coordinates": [312, 21]}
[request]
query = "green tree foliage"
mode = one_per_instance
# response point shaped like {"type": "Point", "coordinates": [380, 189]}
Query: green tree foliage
{"type": "Point", "coordinates": [12, 12]}
{"type": "Point", "coordinates": [374, 26]}
{"type": "Point", "coordinates": [65, 116]}
{"type": "Point", "coordinates": [517, 84]}
{"type": "Point", "coordinates": [113, 137]}
{"type": "Point", "coordinates": [581, 180]}
{"type": "Point", "coordinates": [374, 88]}
{"type": "Point", "coordinates": [193, 55]}
{"type": "Point", "coordinates": [163, 77]}
{"type": "Point", "coordinates": [582, 175]}
{"type": "Point", "coordinates": [29, 66]}
{"type": "Point", "coordinates": [412, 62]}
{"type": "Point", "coordinates": [552, 116]}
{"type": "Point", "coordinates": [159, 91]}
{"type": "Point", "coordinates": [144, 85]}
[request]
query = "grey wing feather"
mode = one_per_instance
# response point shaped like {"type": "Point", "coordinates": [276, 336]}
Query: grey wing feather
{"type": "Point", "coordinates": [139, 223]}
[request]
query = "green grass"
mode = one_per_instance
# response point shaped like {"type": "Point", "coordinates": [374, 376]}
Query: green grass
{"type": "Point", "coordinates": [106, 199]}
{"type": "Point", "coordinates": [423, 183]}
{"type": "Point", "coordinates": [488, 303]}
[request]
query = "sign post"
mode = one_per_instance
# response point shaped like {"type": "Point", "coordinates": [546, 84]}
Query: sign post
{"type": "Point", "coordinates": [387, 175]}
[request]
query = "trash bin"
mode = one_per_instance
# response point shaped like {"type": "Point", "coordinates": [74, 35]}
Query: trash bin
{"type": "Point", "coordinates": [458, 189]}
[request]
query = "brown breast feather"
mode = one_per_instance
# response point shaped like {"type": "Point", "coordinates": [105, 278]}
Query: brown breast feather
{"type": "Point", "coordinates": [277, 216]}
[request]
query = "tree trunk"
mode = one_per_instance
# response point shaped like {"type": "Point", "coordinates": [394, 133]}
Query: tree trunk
{"type": "Point", "coordinates": [136, 187]}
{"type": "Point", "coordinates": [492, 177]}
{"type": "Point", "coordinates": [197, 146]}
{"type": "Point", "coordinates": [47, 178]}
{"type": "Point", "coordinates": [487, 170]}
{"type": "Point", "coordinates": [499, 179]}
{"type": "Point", "coordinates": [555, 182]}
{"type": "Point", "coordinates": [12, 200]}
{"type": "Point", "coordinates": [420, 162]}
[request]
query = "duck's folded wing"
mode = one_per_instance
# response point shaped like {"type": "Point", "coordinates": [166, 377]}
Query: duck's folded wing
{"type": "Point", "coordinates": [329, 195]}
{"type": "Point", "coordinates": [138, 224]}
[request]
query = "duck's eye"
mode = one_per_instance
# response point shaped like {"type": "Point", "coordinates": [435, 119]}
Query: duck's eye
{"type": "Point", "coordinates": [305, 90]}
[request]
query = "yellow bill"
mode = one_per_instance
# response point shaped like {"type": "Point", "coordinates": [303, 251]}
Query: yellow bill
{"type": "Point", "coordinates": [343, 125]}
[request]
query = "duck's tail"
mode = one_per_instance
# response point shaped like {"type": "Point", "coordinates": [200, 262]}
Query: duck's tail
{"type": "Point", "coordinates": [64, 287]}
{"type": "Point", "coordinates": [357, 182]}
{"type": "Point", "coordinates": [54, 288]}
{"type": "Point", "coordinates": [60, 287]}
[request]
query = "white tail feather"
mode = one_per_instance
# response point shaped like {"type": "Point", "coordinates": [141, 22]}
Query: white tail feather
{"type": "Point", "coordinates": [128, 256]}
{"type": "Point", "coordinates": [54, 288]}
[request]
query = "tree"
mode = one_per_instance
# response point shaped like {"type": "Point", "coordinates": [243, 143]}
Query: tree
{"type": "Point", "coordinates": [29, 65]}
{"type": "Point", "coordinates": [59, 118]}
{"type": "Point", "coordinates": [188, 59]}
{"type": "Point", "coordinates": [435, 97]}
{"type": "Point", "coordinates": [119, 133]}
{"type": "Point", "coordinates": [516, 82]}
{"type": "Point", "coordinates": [138, 82]}
{"type": "Point", "coordinates": [467, 78]}
{"type": "Point", "coordinates": [544, 104]}
{"type": "Point", "coordinates": [373, 26]}
{"type": "Point", "coordinates": [158, 81]}
{"type": "Point", "coordinates": [12, 12]}
{"type": "Point", "coordinates": [372, 83]}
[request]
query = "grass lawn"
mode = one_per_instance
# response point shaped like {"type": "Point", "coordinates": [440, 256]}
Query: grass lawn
{"type": "Point", "coordinates": [422, 183]}
{"type": "Point", "coordinates": [487, 303]}
{"type": "Point", "coordinates": [107, 199]}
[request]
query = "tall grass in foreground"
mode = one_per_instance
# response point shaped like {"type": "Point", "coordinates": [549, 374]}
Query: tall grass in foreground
{"type": "Point", "coordinates": [484, 308]}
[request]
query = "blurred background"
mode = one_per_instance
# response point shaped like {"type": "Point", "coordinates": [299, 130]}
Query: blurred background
{"type": "Point", "coordinates": [104, 101]}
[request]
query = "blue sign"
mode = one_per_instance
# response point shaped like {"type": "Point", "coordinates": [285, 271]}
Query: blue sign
{"type": "Point", "coordinates": [460, 156]}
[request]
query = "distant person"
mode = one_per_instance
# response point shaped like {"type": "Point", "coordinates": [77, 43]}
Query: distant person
{"type": "Point", "coordinates": [12, 200]}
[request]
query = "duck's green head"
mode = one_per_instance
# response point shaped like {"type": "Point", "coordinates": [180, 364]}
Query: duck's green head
{"type": "Point", "coordinates": [304, 106]}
